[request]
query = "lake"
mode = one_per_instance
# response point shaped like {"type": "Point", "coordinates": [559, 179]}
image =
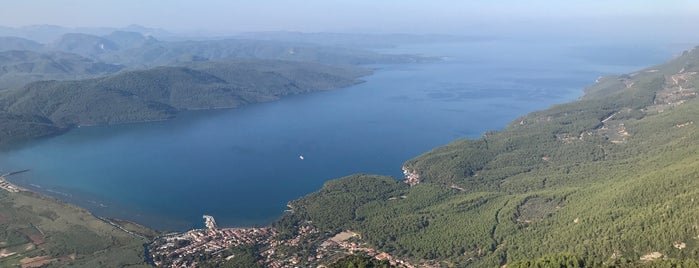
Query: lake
{"type": "Point", "coordinates": [243, 165]}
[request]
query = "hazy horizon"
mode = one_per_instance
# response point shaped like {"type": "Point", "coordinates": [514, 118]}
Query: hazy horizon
{"type": "Point", "coordinates": [622, 18]}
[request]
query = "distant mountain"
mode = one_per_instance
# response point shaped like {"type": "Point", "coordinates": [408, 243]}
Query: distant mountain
{"type": "Point", "coordinates": [163, 53]}
{"type": "Point", "coordinates": [83, 44]}
{"type": "Point", "coordinates": [159, 93]}
{"type": "Point", "coordinates": [148, 31]}
{"type": "Point", "coordinates": [48, 33]}
{"type": "Point", "coordinates": [37, 33]}
{"type": "Point", "coordinates": [17, 68]}
{"type": "Point", "coordinates": [137, 47]}
{"type": "Point", "coordinates": [137, 51]}
{"type": "Point", "coordinates": [127, 40]}
{"type": "Point", "coordinates": [80, 55]}
{"type": "Point", "coordinates": [16, 43]}
{"type": "Point", "coordinates": [356, 40]}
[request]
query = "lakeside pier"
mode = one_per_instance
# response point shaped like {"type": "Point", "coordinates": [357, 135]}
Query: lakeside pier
{"type": "Point", "coordinates": [210, 222]}
{"type": "Point", "coordinates": [14, 173]}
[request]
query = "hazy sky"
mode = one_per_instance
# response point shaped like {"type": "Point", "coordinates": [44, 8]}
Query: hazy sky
{"type": "Point", "coordinates": [229, 16]}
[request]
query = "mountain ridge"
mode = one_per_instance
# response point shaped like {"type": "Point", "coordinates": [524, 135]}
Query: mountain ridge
{"type": "Point", "coordinates": [159, 93]}
{"type": "Point", "coordinates": [74, 56]}
{"type": "Point", "coordinates": [19, 67]}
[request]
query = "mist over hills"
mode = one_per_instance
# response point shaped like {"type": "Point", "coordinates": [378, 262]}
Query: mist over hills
{"type": "Point", "coordinates": [49, 33]}
{"type": "Point", "coordinates": [84, 55]}
{"type": "Point", "coordinates": [357, 40]}
{"type": "Point", "coordinates": [160, 53]}
{"type": "Point", "coordinates": [19, 67]}
{"type": "Point", "coordinates": [139, 49]}
{"type": "Point", "coordinates": [16, 43]}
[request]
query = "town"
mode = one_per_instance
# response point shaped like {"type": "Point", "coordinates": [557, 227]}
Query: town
{"type": "Point", "coordinates": [189, 248]}
{"type": "Point", "coordinates": [178, 250]}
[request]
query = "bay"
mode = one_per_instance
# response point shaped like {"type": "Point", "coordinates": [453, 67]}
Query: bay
{"type": "Point", "coordinates": [243, 165]}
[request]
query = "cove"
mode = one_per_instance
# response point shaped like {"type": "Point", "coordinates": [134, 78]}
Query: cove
{"type": "Point", "coordinates": [243, 165]}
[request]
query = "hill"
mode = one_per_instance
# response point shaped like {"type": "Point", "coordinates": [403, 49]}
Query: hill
{"type": "Point", "coordinates": [358, 40]}
{"type": "Point", "coordinates": [15, 43]}
{"type": "Point", "coordinates": [607, 180]}
{"type": "Point", "coordinates": [125, 40]}
{"type": "Point", "coordinates": [80, 56]}
{"type": "Point", "coordinates": [83, 44]}
{"type": "Point", "coordinates": [49, 107]}
{"type": "Point", "coordinates": [20, 67]}
{"type": "Point", "coordinates": [49, 33]}
{"type": "Point", "coordinates": [135, 49]}
{"type": "Point", "coordinates": [157, 53]}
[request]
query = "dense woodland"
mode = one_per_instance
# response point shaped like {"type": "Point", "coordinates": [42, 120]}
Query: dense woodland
{"type": "Point", "coordinates": [603, 181]}
{"type": "Point", "coordinates": [360, 261]}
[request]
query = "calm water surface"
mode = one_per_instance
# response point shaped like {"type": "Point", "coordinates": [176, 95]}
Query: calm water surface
{"type": "Point", "coordinates": [243, 165]}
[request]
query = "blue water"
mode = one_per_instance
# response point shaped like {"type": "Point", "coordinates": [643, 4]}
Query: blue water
{"type": "Point", "coordinates": [243, 165]}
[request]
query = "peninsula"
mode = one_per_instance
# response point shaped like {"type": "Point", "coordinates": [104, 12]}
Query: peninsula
{"type": "Point", "coordinates": [48, 108]}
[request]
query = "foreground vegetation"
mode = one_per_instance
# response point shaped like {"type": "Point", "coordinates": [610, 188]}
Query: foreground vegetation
{"type": "Point", "coordinates": [39, 231]}
{"type": "Point", "coordinates": [608, 180]}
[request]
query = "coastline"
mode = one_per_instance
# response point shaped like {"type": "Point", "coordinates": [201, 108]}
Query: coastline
{"type": "Point", "coordinates": [118, 223]}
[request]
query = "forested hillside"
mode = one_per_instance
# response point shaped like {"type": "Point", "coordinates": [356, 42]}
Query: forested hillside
{"type": "Point", "coordinates": [49, 107]}
{"type": "Point", "coordinates": [610, 179]}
